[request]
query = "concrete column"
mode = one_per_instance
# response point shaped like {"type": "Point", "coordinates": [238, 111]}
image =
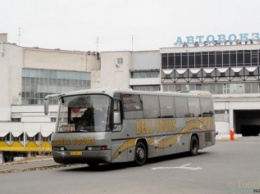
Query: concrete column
{"type": "Point", "coordinates": [231, 118]}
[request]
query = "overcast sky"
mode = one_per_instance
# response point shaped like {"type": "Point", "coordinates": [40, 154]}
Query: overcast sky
{"type": "Point", "coordinates": [153, 24]}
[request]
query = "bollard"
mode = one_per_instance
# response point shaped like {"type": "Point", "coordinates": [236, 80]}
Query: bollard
{"type": "Point", "coordinates": [232, 135]}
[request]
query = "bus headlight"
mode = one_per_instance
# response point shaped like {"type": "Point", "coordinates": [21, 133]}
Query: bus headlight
{"type": "Point", "coordinates": [58, 148]}
{"type": "Point", "coordinates": [95, 148]}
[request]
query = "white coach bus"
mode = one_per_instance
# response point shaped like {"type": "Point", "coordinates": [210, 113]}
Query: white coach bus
{"type": "Point", "coordinates": [109, 126]}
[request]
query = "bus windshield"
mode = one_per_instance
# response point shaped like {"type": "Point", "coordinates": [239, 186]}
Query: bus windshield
{"type": "Point", "coordinates": [84, 113]}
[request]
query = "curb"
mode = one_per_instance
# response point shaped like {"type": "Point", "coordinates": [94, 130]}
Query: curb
{"type": "Point", "coordinates": [16, 170]}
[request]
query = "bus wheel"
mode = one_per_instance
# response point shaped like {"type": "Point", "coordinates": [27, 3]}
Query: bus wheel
{"type": "Point", "coordinates": [140, 154]}
{"type": "Point", "coordinates": [194, 145]}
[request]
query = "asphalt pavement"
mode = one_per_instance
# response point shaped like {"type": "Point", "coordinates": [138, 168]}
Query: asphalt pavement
{"type": "Point", "coordinates": [41, 163]}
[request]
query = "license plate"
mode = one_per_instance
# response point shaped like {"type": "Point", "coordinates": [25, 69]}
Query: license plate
{"type": "Point", "coordinates": [76, 153]}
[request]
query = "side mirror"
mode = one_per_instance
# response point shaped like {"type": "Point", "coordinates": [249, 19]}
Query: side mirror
{"type": "Point", "coordinates": [46, 106]}
{"type": "Point", "coordinates": [117, 118]}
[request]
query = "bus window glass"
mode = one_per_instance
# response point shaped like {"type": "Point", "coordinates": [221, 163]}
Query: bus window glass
{"type": "Point", "coordinates": [88, 113]}
{"type": "Point", "coordinates": [132, 106]}
{"type": "Point", "coordinates": [166, 106]}
{"type": "Point", "coordinates": [206, 107]}
{"type": "Point", "coordinates": [194, 107]}
{"type": "Point", "coordinates": [151, 106]}
{"type": "Point", "coordinates": [181, 106]}
{"type": "Point", "coordinates": [117, 112]}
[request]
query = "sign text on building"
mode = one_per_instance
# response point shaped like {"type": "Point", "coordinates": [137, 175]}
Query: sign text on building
{"type": "Point", "coordinates": [218, 39]}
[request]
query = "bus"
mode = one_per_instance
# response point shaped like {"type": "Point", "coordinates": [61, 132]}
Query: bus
{"type": "Point", "coordinates": [110, 126]}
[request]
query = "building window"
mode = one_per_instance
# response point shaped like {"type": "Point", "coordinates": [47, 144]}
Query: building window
{"type": "Point", "coordinates": [171, 63]}
{"type": "Point", "coordinates": [119, 61]}
{"type": "Point", "coordinates": [222, 75]}
{"type": "Point", "coordinates": [247, 60]}
{"type": "Point", "coordinates": [16, 119]}
{"type": "Point", "coordinates": [177, 60]}
{"type": "Point", "coordinates": [226, 62]}
{"type": "Point", "coordinates": [236, 74]}
{"type": "Point", "coordinates": [211, 59]}
{"type": "Point", "coordinates": [38, 83]}
{"type": "Point", "coordinates": [251, 73]}
{"type": "Point", "coordinates": [145, 74]}
{"type": "Point", "coordinates": [205, 59]}
{"type": "Point", "coordinates": [164, 61]}
{"type": "Point", "coordinates": [198, 60]}
{"type": "Point", "coordinates": [146, 88]}
{"type": "Point", "coordinates": [233, 58]}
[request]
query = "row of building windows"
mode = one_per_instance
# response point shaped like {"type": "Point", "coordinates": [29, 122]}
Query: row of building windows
{"type": "Point", "coordinates": [145, 74]}
{"type": "Point", "coordinates": [55, 74]}
{"type": "Point", "coordinates": [210, 59]}
{"type": "Point", "coordinates": [146, 88]}
{"type": "Point", "coordinates": [223, 88]}
{"type": "Point", "coordinates": [58, 82]}
{"type": "Point", "coordinates": [34, 89]}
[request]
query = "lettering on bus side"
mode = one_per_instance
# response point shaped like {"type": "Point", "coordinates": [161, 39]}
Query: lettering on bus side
{"type": "Point", "coordinates": [84, 141]}
{"type": "Point", "coordinates": [62, 142]}
{"type": "Point", "coordinates": [76, 141]}
{"type": "Point", "coordinates": [155, 126]}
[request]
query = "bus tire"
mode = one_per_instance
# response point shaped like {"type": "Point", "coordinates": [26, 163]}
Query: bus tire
{"type": "Point", "coordinates": [194, 146]}
{"type": "Point", "coordinates": [140, 153]}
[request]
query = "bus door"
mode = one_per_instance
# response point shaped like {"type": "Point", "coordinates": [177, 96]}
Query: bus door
{"type": "Point", "coordinates": [119, 137]}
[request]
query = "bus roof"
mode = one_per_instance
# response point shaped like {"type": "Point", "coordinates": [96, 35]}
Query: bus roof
{"type": "Point", "coordinates": [111, 92]}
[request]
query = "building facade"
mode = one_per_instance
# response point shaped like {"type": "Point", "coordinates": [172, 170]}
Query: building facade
{"type": "Point", "coordinates": [29, 74]}
{"type": "Point", "coordinates": [231, 72]}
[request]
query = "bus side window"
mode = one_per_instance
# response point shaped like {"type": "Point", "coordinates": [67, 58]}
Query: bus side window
{"type": "Point", "coordinates": [194, 106]}
{"type": "Point", "coordinates": [166, 107]}
{"type": "Point", "coordinates": [132, 106]}
{"type": "Point", "coordinates": [117, 112]}
{"type": "Point", "coordinates": [181, 106]}
{"type": "Point", "coordinates": [151, 106]}
{"type": "Point", "coordinates": [206, 107]}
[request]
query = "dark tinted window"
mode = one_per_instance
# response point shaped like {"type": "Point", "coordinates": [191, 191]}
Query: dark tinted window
{"type": "Point", "coordinates": [226, 58]}
{"type": "Point", "coordinates": [219, 59]}
{"type": "Point", "coordinates": [194, 107]}
{"type": "Point", "coordinates": [198, 60]}
{"type": "Point", "coordinates": [132, 106]}
{"type": "Point", "coordinates": [191, 60]}
{"type": "Point", "coordinates": [212, 59]}
{"type": "Point", "coordinates": [181, 106]}
{"type": "Point", "coordinates": [166, 106]}
{"type": "Point", "coordinates": [206, 107]}
{"type": "Point", "coordinates": [151, 106]}
{"type": "Point", "coordinates": [177, 60]}
{"type": "Point", "coordinates": [164, 61]}
{"type": "Point", "coordinates": [171, 61]}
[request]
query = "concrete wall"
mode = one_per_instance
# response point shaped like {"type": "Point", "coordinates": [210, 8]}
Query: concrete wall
{"type": "Point", "coordinates": [146, 60]}
{"type": "Point", "coordinates": [13, 58]}
{"type": "Point", "coordinates": [59, 60]}
{"type": "Point", "coordinates": [3, 37]}
{"type": "Point", "coordinates": [230, 103]}
{"type": "Point", "coordinates": [11, 61]}
{"type": "Point", "coordinates": [115, 75]}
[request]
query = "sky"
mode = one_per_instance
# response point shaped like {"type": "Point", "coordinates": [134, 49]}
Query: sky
{"type": "Point", "coordinates": [119, 25]}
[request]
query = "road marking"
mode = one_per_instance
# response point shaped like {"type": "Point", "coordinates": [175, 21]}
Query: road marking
{"type": "Point", "coordinates": [185, 167]}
